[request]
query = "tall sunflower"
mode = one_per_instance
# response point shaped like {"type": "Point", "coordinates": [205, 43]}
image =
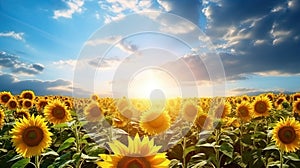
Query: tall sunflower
{"type": "Point", "coordinates": [41, 104]}
{"type": "Point", "coordinates": [296, 106]}
{"type": "Point", "coordinates": [139, 153]}
{"type": "Point", "coordinates": [27, 103]}
{"type": "Point", "coordinates": [261, 106]}
{"type": "Point", "coordinates": [155, 121]}
{"type": "Point", "coordinates": [31, 136]}
{"type": "Point", "coordinates": [244, 111]}
{"type": "Point", "coordinates": [57, 112]}
{"type": "Point", "coordinates": [2, 117]}
{"type": "Point", "coordinates": [286, 135]}
{"type": "Point", "coordinates": [203, 121]}
{"type": "Point", "coordinates": [28, 94]}
{"type": "Point", "coordinates": [93, 112]}
{"type": "Point", "coordinates": [223, 108]}
{"type": "Point", "coordinates": [279, 101]}
{"type": "Point", "coordinates": [296, 96]}
{"type": "Point", "coordinates": [5, 97]}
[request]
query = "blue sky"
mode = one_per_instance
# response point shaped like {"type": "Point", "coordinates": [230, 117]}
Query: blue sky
{"type": "Point", "coordinates": [53, 46]}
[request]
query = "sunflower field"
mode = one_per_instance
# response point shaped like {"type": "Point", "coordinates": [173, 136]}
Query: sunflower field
{"type": "Point", "coordinates": [59, 131]}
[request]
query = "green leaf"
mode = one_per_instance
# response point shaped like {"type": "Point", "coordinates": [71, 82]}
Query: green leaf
{"type": "Point", "coordinates": [247, 139]}
{"type": "Point", "coordinates": [84, 156]}
{"type": "Point", "coordinates": [292, 156]}
{"type": "Point", "coordinates": [15, 158]}
{"type": "Point", "coordinates": [66, 144]}
{"type": "Point", "coordinates": [208, 145]}
{"type": "Point", "coordinates": [188, 150]}
{"type": "Point", "coordinates": [200, 164]}
{"type": "Point", "coordinates": [227, 149]}
{"type": "Point", "coordinates": [271, 147]}
{"type": "Point", "coordinates": [62, 125]}
{"type": "Point", "coordinates": [21, 163]}
{"type": "Point", "coordinates": [50, 153]}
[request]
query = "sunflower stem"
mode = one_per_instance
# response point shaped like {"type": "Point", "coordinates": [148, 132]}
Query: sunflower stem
{"type": "Point", "coordinates": [37, 161]}
{"type": "Point", "coordinates": [241, 136]}
{"type": "Point", "coordinates": [183, 148]}
{"type": "Point", "coordinates": [281, 158]}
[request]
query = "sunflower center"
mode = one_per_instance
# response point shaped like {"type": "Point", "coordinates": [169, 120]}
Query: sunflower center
{"type": "Point", "coordinates": [244, 111]}
{"type": "Point", "coordinates": [279, 101]}
{"type": "Point", "coordinates": [5, 98]}
{"type": "Point", "coordinates": [133, 162]}
{"type": "Point", "coordinates": [260, 107]}
{"type": "Point", "coordinates": [32, 136]}
{"type": "Point", "coordinates": [95, 111]}
{"type": "Point", "coordinates": [27, 103]}
{"type": "Point", "coordinates": [287, 134]}
{"type": "Point", "coordinates": [157, 122]}
{"type": "Point", "coordinates": [12, 104]}
{"type": "Point", "coordinates": [298, 106]}
{"type": "Point", "coordinates": [28, 96]}
{"type": "Point", "coordinates": [58, 112]}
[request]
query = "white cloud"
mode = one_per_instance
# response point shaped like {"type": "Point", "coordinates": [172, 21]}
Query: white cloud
{"type": "Point", "coordinates": [165, 5]}
{"type": "Point", "coordinates": [74, 6]}
{"type": "Point", "coordinates": [12, 34]}
{"type": "Point", "coordinates": [176, 27]}
{"type": "Point", "coordinates": [107, 40]}
{"type": "Point", "coordinates": [61, 63]}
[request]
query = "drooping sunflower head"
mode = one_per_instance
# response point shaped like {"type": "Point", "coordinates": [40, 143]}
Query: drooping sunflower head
{"type": "Point", "coordinates": [261, 106]}
{"type": "Point", "coordinates": [189, 111]}
{"type": "Point", "coordinates": [155, 121]}
{"type": "Point", "coordinates": [244, 111]}
{"type": "Point", "coordinates": [286, 135]}
{"type": "Point", "coordinates": [93, 112]}
{"type": "Point", "coordinates": [21, 113]}
{"type": "Point", "coordinates": [26, 103]}
{"type": "Point", "coordinates": [31, 136]}
{"type": "Point", "coordinates": [2, 117]}
{"type": "Point", "coordinates": [296, 106]}
{"type": "Point", "coordinates": [5, 97]}
{"type": "Point", "coordinates": [139, 153]}
{"type": "Point", "coordinates": [12, 104]}
{"type": "Point", "coordinates": [28, 94]}
{"type": "Point", "coordinates": [57, 112]}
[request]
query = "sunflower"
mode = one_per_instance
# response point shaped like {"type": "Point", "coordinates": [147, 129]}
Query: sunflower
{"type": "Point", "coordinates": [189, 111]}
{"type": "Point", "coordinates": [203, 121]}
{"type": "Point", "coordinates": [12, 104]}
{"type": "Point", "coordinates": [232, 121]}
{"type": "Point", "coordinates": [296, 106]}
{"type": "Point", "coordinates": [154, 121]}
{"type": "Point", "coordinates": [27, 103]}
{"type": "Point", "coordinates": [41, 104]}
{"type": "Point", "coordinates": [261, 106]}
{"type": "Point", "coordinates": [224, 109]}
{"type": "Point", "coordinates": [20, 113]}
{"type": "Point", "coordinates": [28, 94]}
{"type": "Point", "coordinates": [69, 103]}
{"type": "Point", "coordinates": [270, 96]}
{"type": "Point", "coordinates": [5, 97]}
{"type": "Point", "coordinates": [286, 134]}
{"type": "Point", "coordinates": [245, 98]}
{"type": "Point", "coordinates": [296, 96]}
{"type": "Point", "coordinates": [2, 117]}
{"type": "Point", "coordinates": [279, 101]}
{"type": "Point", "coordinates": [94, 97]}
{"type": "Point", "coordinates": [139, 153]}
{"type": "Point", "coordinates": [93, 112]}
{"type": "Point", "coordinates": [244, 111]}
{"type": "Point", "coordinates": [57, 112]}
{"type": "Point", "coordinates": [31, 136]}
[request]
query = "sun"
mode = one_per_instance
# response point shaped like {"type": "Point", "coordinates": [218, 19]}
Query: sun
{"type": "Point", "coordinates": [153, 82]}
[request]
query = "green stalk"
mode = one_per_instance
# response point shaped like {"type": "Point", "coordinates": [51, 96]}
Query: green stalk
{"type": "Point", "coordinates": [37, 161]}
{"type": "Point", "coordinates": [281, 158]}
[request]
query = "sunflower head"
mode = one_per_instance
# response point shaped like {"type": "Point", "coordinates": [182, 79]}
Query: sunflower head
{"type": "Point", "coordinates": [296, 106]}
{"type": "Point", "coordinates": [155, 121]}
{"type": "Point", "coordinates": [296, 96]}
{"type": "Point", "coordinates": [223, 108]}
{"type": "Point", "coordinates": [5, 97]}
{"type": "Point", "coordinates": [203, 121]}
{"type": "Point", "coordinates": [12, 104]}
{"type": "Point", "coordinates": [27, 103]}
{"type": "Point", "coordinates": [21, 113]}
{"type": "Point", "coordinates": [232, 121]}
{"type": "Point", "coordinates": [279, 101]}
{"type": "Point", "coordinates": [94, 97]}
{"type": "Point", "coordinates": [139, 153]}
{"type": "Point", "coordinates": [286, 134]}
{"type": "Point", "coordinates": [261, 106]}
{"type": "Point", "coordinates": [28, 94]}
{"type": "Point", "coordinates": [41, 104]}
{"type": "Point", "coordinates": [189, 111]}
{"type": "Point", "coordinates": [93, 112]}
{"type": "Point", "coordinates": [57, 112]}
{"type": "Point", "coordinates": [2, 117]}
{"type": "Point", "coordinates": [31, 136]}
{"type": "Point", "coordinates": [244, 111]}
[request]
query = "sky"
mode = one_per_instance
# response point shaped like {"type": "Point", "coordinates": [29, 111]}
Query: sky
{"type": "Point", "coordinates": [128, 47]}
